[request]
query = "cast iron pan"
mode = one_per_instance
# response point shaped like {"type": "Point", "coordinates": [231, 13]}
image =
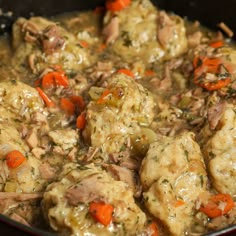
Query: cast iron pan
{"type": "Point", "coordinates": [208, 12]}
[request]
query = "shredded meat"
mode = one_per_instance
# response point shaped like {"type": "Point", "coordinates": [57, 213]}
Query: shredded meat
{"type": "Point", "coordinates": [52, 40]}
{"type": "Point", "coordinates": [226, 29]}
{"type": "Point", "coordinates": [166, 82]}
{"type": "Point", "coordinates": [31, 61]}
{"type": "Point", "coordinates": [87, 190]}
{"type": "Point", "coordinates": [4, 172]}
{"type": "Point", "coordinates": [19, 219]}
{"type": "Point", "coordinates": [215, 113]}
{"type": "Point", "coordinates": [38, 152]}
{"type": "Point", "coordinates": [102, 70]}
{"type": "Point", "coordinates": [126, 175]}
{"type": "Point", "coordinates": [31, 31]}
{"type": "Point", "coordinates": [20, 196]}
{"type": "Point", "coordinates": [194, 39]}
{"type": "Point", "coordinates": [46, 171]}
{"type": "Point", "coordinates": [165, 28]}
{"type": "Point", "coordinates": [111, 30]}
{"type": "Point", "coordinates": [32, 138]}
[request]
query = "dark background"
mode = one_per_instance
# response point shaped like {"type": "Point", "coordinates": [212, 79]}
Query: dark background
{"type": "Point", "coordinates": [208, 12]}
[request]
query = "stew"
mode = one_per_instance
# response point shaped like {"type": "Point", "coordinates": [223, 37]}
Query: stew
{"type": "Point", "coordinates": [118, 121]}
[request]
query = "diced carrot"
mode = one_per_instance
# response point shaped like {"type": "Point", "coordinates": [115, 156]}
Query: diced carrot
{"type": "Point", "coordinates": [179, 203]}
{"type": "Point", "coordinates": [153, 228]}
{"type": "Point", "coordinates": [101, 47]}
{"type": "Point", "coordinates": [78, 102]}
{"type": "Point", "coordinates": [149, 72]}
{"type": "Point", "coordinates": [15, 159]}
{"type": "Point", "coordinates": [102, 99]}
{"type": "Point", "coordinates": [212, 64]}
{"type": "Point", "coordinates": [67, 106]}
{"type": "Point", "coordinates": [213, 207]}
{"type": "Point", "coordinates": [101, 212]}
{"type": "Point", "coordinates": [216, 85]}
{"type": "Point", "coordinates": [46, 99]}
{"type": "Point", "coordinates": [54, 79]}
{"type": "Point", "coordinates": [81, 121]}
{"type": "Point", "coordinates": [126, 72]}
{"type": "Point", "coordinates": [83, 43]}
{"type": "Point", "coordinates": [206, 65]}
{"type": "Point", "coordinates": [117, 5]}
{"type": "Point", "coordinates": [217, 44]}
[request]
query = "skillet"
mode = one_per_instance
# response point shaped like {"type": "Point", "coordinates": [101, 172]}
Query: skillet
{"type": "Point", "coordinates": [209, 13]}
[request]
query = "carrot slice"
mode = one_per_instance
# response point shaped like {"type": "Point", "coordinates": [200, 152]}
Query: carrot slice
{"type": "Point", "coordinates": [81, 121]}
{"type": "Point", "coordinates": [78, 102]}
{"type": "Point", "coordinates": [213, 208]}
{"type": "Point", "coordinates": [101, 212]}
{"type": "Point", "coordinates": [217, 44]}
{"type": "Point", "coordinates": [102, 47]}
{"type": "Point", "coordinates": [15, 159]}
{"type": "Point", "coordinates": [179, 203]}
{"type": "Point", "coordinates": [67, 106]}
{"type": "Point", "coordinates": [117, 5]}
{"type": "Point", "coordinates": [102, 99]}
{"type": "Point", "coordinates": [153, 228]}
{"type": "Point", "coordinates": [83, 43]}
{"type": "Point", "coordinates": [149, 72]}
{"type": "Point", "coordinates": [46, 99]}
{"type": "Point", "coordinates": [204, 65]}
{"type": "Point", "coordinates": [126, 72]}
{"type": "Point", "coordinates": [54, 79]}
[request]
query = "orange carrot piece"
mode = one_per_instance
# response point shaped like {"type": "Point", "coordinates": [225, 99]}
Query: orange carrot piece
{"type": "Point", "coordinates": [101, 100]}
{"type": "Point", "coordinates": [78, 102]}
{"type": "Point", "coordinates": [153, 228]}
{"type": "Point", "coordinates": [46, 99]}
{"type": "Point", "coordinates": [126, 72]}
{"type": "Point", "coordinates": [217, 85]}
{"type": "Point", "coordinates": [210, 65]}
{"type": "Point", "coordinates": [101, 47]}
{"type": "Point", "coordinates": [101, 212]}
{"type": "Point", "coordinates": [54, 79]}
{"type": "Point", "coordinates": [212, 208]}
{"type": "Point", "coordinates": [117, 5]}
{"type": "Point", "coordinates": [67, 106]}
{"type": "Point", "coordinates": [217, 44]}
{"type": "Point", "coordinates": [83, 44]}
{"type": "Point", "coordinates": [179, 203]}
{"type": "Point", "coordinates": [81, 121]}
{"type": "Point", "coordinates": [149, 72]}
{"type": "Point", "coordinates": [15, 159]}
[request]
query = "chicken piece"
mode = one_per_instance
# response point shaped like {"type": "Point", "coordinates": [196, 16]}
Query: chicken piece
{"type": "Point", "coordinates": [41, 43]}
{"type": "Point", "coordinates": [112, 118]}
{"type": "Point", "coordinates": [220, 152]}
{"type": "Point", "coordinates": [145, 32]}
{"type": "Point", "coordinates": [173, 175]}
{"type": "Point", "coordinates": [78, 186]}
